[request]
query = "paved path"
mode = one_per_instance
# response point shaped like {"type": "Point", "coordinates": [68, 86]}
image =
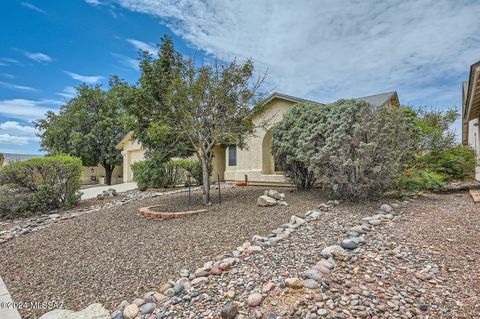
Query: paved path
{"type": "Point", "coordinates": [6, 309]}
{"type": "Point", "coordinates": [92, 192]}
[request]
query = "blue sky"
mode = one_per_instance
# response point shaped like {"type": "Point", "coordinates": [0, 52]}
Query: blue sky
{"type": "Point", "coordinates": [320, 50]}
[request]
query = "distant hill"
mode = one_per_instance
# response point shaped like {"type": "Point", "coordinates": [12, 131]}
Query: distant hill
{"type": "Point", "coordinates": [11, 157]}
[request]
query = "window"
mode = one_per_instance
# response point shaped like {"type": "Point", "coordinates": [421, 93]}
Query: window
{"type": "Point", "coordinates": [232, 155]}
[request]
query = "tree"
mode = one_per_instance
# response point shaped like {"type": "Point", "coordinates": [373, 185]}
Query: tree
{"type": "Point", "coordinates": [90, 125]}
{"type": "Point", "coordinates": [182, 108]}
{"type": "Point", "coordinates": [147, 114]}
{"type": "Point", "coordinates": [359, 151]}
{"type": "Point", "coordinates": [2, 159]}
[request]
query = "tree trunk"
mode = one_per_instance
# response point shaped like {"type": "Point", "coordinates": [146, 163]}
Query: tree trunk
{"type": "Point", "coordinates": [108, 174]}
{"type": "Point", "coordinates": [206, 181]}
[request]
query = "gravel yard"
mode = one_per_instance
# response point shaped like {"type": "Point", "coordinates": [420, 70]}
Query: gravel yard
{"type": "Point", "coordinates": [421, 262]}
{"type": "Point", "coordinates": [111, 255]}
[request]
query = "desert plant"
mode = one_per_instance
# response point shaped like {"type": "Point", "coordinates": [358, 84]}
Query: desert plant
{"type": "Point", "coordinates": [457, 162]}
{"type": "Point", "coordinates": [357, 149]}
{"type": "Point", "coordinates": [192, 167]}
{"type": "Point", "coordinates": [44, 183]}
{"type": "Point", "coordinates": [417, 178]}
{"type": "Point", "coordinates": [286, 149]}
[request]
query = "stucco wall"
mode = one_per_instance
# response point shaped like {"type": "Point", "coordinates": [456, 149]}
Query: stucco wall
{"type": "Point", "coordinates": [474, 141]}
{"type": "Point", "coordinates": [132, 152]}
{"type": "Point", "coordinates": [99, 171]}
{"type": "Point", "coordinates": [250, 161]}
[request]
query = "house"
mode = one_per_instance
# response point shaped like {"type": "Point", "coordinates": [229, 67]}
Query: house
{"type": "Point", "coordinates": [471, 113]}
{"type": "Point", "coordinates": [253, 164]}
{"type": "Point", "coordinates": [96, 175]}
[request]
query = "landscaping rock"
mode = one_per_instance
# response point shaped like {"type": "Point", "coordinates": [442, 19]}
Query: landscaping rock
{"type": "Point", "coordinates": [130, 311]}
{"type": "Point", "coordinates": [313, 274]}
{"type": "Point", "coordinates": [274, 194]}
{"type": "Point", "coordinates": [294, 283]}
{"type": "Point", "coordinates": [386, 208]}
{"type": "Point", "coordinates": [254, 299]}
{"type": "Point", "coordinates": [56, 314]}
{"type": "Point", "coordinates": [229, 311]}
{"type": "Point", "coordinates": [311, 284]}
{"type": "Point", "coordinates": [349, 244]}
{"type": "Point", "coordinates": [264, 201]}
{"type": "Point", "coordinates": [313, 214]}
{"type": "Point", "coordinates": [334, 251]}
{"type": "Point", "coordinates": [147, 308]}
{"type": "Point", "coordinates": [94, 311]}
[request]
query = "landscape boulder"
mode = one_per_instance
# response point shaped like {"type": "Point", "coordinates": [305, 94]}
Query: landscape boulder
{"type": "Point", "coordinates": [264, 201]}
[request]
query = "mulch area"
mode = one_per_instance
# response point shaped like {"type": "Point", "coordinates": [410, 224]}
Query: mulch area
{"type": "Point", "coordinates": [112, 255]}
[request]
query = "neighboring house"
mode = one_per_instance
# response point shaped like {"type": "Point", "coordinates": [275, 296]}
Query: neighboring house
{"type": "Point", "coordinates": [96, 175]}
{"type": "Point", "coordinates": [10, 157]}
{"type": "Point", "coordinates": [471, 113]}
{"type": "Point", "coordinates": [255, 163]}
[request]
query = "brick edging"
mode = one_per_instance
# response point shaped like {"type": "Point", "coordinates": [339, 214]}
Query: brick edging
{"type": "Point", "coordinates": [148, 213]}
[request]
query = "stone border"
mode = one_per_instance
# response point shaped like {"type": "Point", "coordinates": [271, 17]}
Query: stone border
{"type": "Point", "coordinates": [311, 278]}
{"type": "Point", "coordinates": [148, 213]}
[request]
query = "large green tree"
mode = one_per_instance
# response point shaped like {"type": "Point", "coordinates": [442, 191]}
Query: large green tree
{"type": "Point", "coordinates": [90, 125]}
{"type": "Point", "coordinates": [183, 108]}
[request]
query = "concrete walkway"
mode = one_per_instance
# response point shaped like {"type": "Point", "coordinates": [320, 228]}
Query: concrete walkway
{"type": "Point", "coordinates": [92, 192]}
{"type": "Point", "coordinates": [7, 311]}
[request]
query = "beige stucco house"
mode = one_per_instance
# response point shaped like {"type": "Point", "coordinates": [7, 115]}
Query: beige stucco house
{"type": "Point", "coordinates": [471, 113]}
{"type": "Point", "coordinates": [96, 175]}
{"type": "Point", "coordinates": [255, 163]}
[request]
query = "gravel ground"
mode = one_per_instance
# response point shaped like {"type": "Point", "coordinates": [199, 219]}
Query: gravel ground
{"type": "Point", "coordinates": [426, 264]}
{"type": "Point", "coordinates": [446, 229]}
{"type": "Point", "coordinates": [112, 255]}
{"type": "Point", "coordinates": [421, 262]}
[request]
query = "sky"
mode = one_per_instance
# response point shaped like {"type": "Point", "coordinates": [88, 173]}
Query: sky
{"type": "Point", "coordinates": [313, 49]}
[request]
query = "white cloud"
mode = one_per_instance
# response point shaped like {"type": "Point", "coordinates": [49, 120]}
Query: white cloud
{"type": "Point", "coordinates": [26, 110]}
{"type": "Point", "coordinates": [37, 56]}
{"type": "Point", "coordinates": [93, 2]}
{"type": "Point", "coordinates": [127, 61]}
{"type": "Point", "coordinates": [15, 140]}
{"type": "Point", "coordinates": [14, 126]}
{"type": "Point", "coordinates": [7, 75]}
{"type": "Point", "coordinates": [325, 50]}
{"type": "Point", "coordinates": [90, 79]}
{"type": "Point", "coordinates": [68, 92]}
{"type": "Point", "coordinates": [12, 86]}
{"type": "Point", "coordinates": [9, 61]}
{"type": "Point", "coordinates": [33, 7]}
{"type": "Point", "coordinates": [140, 45]}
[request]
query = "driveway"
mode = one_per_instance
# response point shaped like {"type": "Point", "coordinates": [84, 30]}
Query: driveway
{"type": "Point", "coordinates": [92, 192]}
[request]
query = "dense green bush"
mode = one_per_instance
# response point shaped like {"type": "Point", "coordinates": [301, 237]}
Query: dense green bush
{"type": "Point", "coordinates": [39, 185]}
{"type": "Point", "coordinates": [457, 162]}
{"type": "Point", "coordinates": [156, 173]}
{"type": "Point", "coordinates": [193, 168]}
{"type": "Point", "coordinates": [356, 149]}
{"type": "Point", "coordinates": [417, 178]}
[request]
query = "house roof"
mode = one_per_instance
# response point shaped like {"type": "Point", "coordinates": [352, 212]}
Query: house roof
{"type": "Point", "coordinates": [381, 99]}
{"type": "Point", "coordinates": [471, 99]}
{"type": "Point", "coordinates": [124, 141]}
{"type": "Point", "coordinates": [12, 157]}
{"type": "Point", "coordinates": [376, 100]}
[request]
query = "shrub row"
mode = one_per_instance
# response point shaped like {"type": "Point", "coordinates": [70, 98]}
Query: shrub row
{"type": "Point", "coordinates": [39, 185]}
{"type": "Point", "coordinates": [156, 173]}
